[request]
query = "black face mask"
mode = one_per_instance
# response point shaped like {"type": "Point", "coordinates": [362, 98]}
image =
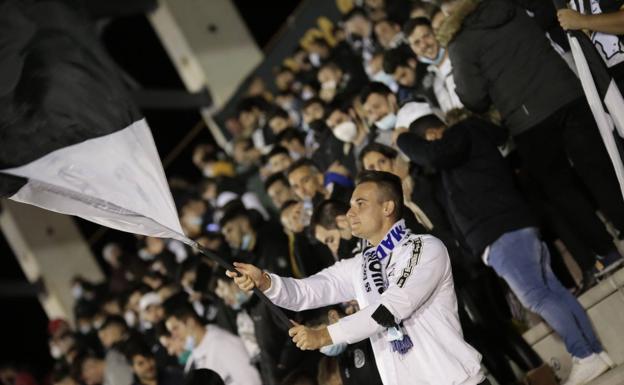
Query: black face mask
{"type": "Point", "coordinates": [346, 246]}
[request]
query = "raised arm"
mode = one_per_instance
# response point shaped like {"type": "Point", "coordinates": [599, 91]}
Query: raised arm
{"type": "Point", "coordinates": [329, 286]}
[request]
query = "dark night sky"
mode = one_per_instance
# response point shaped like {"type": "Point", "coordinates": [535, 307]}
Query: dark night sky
{"type": "Point", "coordinates": [135, 47]}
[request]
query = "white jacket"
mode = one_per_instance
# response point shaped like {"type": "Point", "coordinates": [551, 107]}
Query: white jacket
{"type": "Point", "coordinates": [225, 354]}
{"type": "Point", "coordinates": [420, 293]}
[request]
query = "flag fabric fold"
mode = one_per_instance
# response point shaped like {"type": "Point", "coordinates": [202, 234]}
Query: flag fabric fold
{"type": "Point", "coordinates": [603, 95]}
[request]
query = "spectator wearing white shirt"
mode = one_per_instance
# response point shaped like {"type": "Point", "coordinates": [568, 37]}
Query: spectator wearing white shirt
{"type": "Point", "coordinates": [211, 347]}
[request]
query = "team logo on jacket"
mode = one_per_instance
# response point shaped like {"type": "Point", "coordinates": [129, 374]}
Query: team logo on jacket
{"type": "Point", "coordinates": [359, 358]}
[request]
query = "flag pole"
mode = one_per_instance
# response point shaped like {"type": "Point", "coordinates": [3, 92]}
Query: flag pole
{"type": "Point", "coordinates": [600, 91]}
{"type": "Point", "coordinates": [277, 311]}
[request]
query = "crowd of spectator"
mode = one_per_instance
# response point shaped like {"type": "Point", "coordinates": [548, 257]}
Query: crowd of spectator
{"type": "Point", "coordinates": [473, 104]}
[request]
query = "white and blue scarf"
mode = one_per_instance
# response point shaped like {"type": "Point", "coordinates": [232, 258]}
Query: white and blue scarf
{"type": "Point", "coordinates": [376, 260]}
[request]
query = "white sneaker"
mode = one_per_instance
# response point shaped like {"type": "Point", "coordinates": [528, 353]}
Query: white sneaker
{"type": "Point", "coordinates": [607, 359]}
{"type": "Point", "coordinates": [586, 369]}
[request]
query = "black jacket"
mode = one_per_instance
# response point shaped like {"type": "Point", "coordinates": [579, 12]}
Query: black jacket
{"type": "Point", "coordinates": [357, 365]}
{"type": "Point", "coordinates": [270, 251]}
{"type": "Point", "coordinates": [311, 256]}
{"type": "Point", "coordinates": [482, 199]}
{"type": "Point", "coordinates": [501, 57]}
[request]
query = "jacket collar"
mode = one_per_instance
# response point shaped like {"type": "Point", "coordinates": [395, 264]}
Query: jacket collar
{"type": "Point", "coordinates": [451, 26]}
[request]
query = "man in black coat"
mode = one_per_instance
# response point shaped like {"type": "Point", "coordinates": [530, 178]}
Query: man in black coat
{"type": "Point", "coordinates": [502, 58]}
{"type": "Point", "coordinates": [491, 215]}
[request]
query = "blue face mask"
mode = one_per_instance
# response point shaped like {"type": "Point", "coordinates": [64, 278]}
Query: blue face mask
{"type": "Point", "coordinates": [386, 123]}
{"type": "Point", "coordinates": [437, 60]}
{"type": "Point", "coordinates": [189, 344]}
{"type": "Point", "coordinates": [246, 242]}
{"type": "Point", "coordinates": [334, 350]}
{"type": "Point", "coordinates": [183, 358]}
{"type": "Point", "coordinates": [240, 298]}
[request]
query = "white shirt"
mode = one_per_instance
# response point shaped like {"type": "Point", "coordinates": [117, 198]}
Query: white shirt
{"type": "Point", "coordinates": [420, 293]}
{"type": "Point", "coordinates": [444, 86]}
{"type": "Point", "coordinates": [225, 354]}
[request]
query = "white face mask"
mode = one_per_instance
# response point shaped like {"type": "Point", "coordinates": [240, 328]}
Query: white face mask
{"type": "Point", "coordinates": [77, 291]}
{"type": "Point", "coordinates": [246, 242]}
{"type": "Point", "coordinates": [55, 351]}
{"type": "Point", "coordinates": [130, 318]}
{"type": "Point", "coordinates": [189, 343]}
{"type": "Point", "coordinates": [315, 59]}
{"type": "Point", "coordinates": [329, 85]}
{"type": "Point", "coordinates": [387, 122]}
{"type": "Point", "coordinates": [333, 350]}
{"type": "Point", "coordinates": [345, 131]}
{"type": "Point", "coordinates": [84, 329]}
{"type": "Point", "coordinates": [307, 95]}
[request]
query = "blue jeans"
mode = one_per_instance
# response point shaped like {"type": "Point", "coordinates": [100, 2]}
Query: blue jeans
{"type": "Point", "coordinates": [523, 261]}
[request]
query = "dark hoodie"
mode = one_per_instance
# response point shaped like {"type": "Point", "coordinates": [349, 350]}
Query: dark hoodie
{"type": "Point", "coordinates": [501, 57]}
{"type": "Point", "coordinates": [481, 197]}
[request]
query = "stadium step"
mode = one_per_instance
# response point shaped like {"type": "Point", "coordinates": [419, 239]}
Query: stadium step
{"type": "Point", "coordinates": [612, 377]}
{"type": "Point", "coordinates": [604, 304]}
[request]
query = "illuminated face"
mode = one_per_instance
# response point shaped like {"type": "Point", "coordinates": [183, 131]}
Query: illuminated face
{"type": "Point", "coordinates": [110, 335]}
{"type": "Point", "coordinates": [377, 162]}
{"type": "Point", "coordinates": [278, 124]}
{"type": "Point", "coordinates": [423, 42]}
{"type": "Point", "coordinates": [280, 193]}
{"type": "Point", "coordinates": [144, 368]}
{"type": "Point", "coordinates": [92, 371]}
{"type": "Point", "coordinates": [385, 33]}
{"type": "Point", "coordinates": [330, 238]}
{"type": "Point", "coordinates": [279, 162]}
{"type": "Point", "coordinates": [233, 232]}
{"type": "Point", "coordinates": [313, 112]}
{"type": "Point", "coordinates": [178, 329]}
{"type": "Point", "coordinates": [305, 183]}
{"type": "Point", "coordinates": [292, 218]}
{"type": "Point", "coordinates": [337, 117]}
{"type": "Point", "coordinates": [366, 211]}
{"type": "Point", "coordinates": [405, 76]}
{"type": "Point", "coordinates": [376, 106]}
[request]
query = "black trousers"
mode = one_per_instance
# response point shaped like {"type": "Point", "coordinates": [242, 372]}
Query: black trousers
{"type": "Point", "coordinates": [484, 316]}
{"type": "Point", "coordinates": [561, 151]}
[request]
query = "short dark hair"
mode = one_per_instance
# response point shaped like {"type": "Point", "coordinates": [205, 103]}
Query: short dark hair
{"type": "Point", "coordinates": [420, 125]}
{"type": "Point", "coordinates": [411, 25]}
{"type": "Point", "coordinates": [233, 210]}
{"type": "Point", "coordinates": [290, 134]}
{"type": "Point", "coordinates": [374, 88]}
{"type": "Point", "coordinates": [390, 186]}
{"type": "Point", "coordinates": [397, 57]}
{"type": "Point", "coordinates": [311, 101]}
{"type": "Point", "coordinates": [203, 377]}
{"type": "Point", "coordinates": [287, 204]}
{"type": "Point", "coordinates": [252, 102]}
{"type": "Point", "coordinates": [303, 162]}
{"type": "Point", "coordinates": [276, 150]}
{"type": "Point", "coordinates": [356, 11]}
{"type": "Point", "coordinates": [275, 178]}
{"type": "Point", "coordinates": [183, 311]}
{"type": "Point", "coordinates": [116, 320]}
{"type": "Point", "coordinates": [384, 150]}
{"type": "Point", "coordinates": [79, 360]}
{"type": "Point", "coordinates": [136, 347]}
{"type": "Point", "coordinates": [325, 214]}
{"type": "Point", "coordinates": [388, 21]}
{"type": "Point", "coordinates": [278, 112]}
